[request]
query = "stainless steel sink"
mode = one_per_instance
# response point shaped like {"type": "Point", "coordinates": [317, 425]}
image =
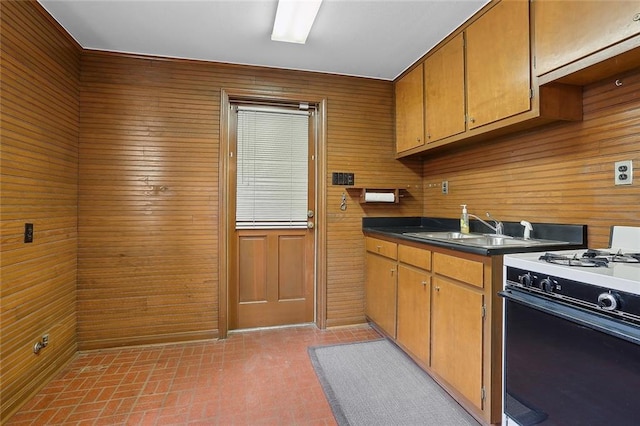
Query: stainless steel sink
{"type": "Point", "coordinates": [490, 241]}
{"type": "Point", "coordinates": [442, 235]}
{"type": "Point", "coordinates": [482, 240]}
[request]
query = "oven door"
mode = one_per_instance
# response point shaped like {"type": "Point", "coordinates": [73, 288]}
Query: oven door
{"type": "Point", "coordinates": [568, 366]}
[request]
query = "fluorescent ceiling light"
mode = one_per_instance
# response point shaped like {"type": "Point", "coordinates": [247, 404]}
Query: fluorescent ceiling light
{"type": "Point", "coordinates": [294, 19]}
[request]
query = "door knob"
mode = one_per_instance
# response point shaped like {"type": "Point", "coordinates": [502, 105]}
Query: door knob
{"type": "Point", "coordinates": [310, 225]}
{"type": "Point", "coordinates": [310, 213]}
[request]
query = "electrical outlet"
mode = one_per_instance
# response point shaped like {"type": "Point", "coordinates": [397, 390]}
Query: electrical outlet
{"type": "Point", "coordinates": [623, 172]}
{"type": "Point", "coordinates": [445, 186]}
{"type": "Point", "coordinates": [28, 232]}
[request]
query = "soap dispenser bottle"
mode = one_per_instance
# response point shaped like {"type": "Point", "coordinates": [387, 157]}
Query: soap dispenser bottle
{"type": "Point", "coordinates": [464, 220]}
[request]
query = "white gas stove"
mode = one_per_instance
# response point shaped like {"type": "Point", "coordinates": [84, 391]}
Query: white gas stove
{"type": "Point", "coordinates": [571, 335]}
{"type": "Point", "coordinates": [616, 267]}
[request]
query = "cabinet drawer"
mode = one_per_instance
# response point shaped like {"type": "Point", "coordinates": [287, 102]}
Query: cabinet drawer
{"type": "Point", "coordinates": [468, 271]}
{"type": "Point", "coordinates": [382, 247]}
{"type": "Point", "coordinates": [415, 256]}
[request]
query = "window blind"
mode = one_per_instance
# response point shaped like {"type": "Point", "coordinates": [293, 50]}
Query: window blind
{"type": "Point", "coordinates": [272, 168]}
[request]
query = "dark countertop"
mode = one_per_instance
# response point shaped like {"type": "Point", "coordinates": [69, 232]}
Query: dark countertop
{"type": "Point", "coordinates": [395, 227]}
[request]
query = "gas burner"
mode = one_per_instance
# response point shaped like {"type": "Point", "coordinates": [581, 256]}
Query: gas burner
{"type": "Point", "coordinates": [585, 262]}
{"type": "Point", "coordinates": [619, 256]}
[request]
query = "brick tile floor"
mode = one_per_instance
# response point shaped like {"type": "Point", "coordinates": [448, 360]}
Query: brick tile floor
{"type": "Point", "coordinates": [261, 377]}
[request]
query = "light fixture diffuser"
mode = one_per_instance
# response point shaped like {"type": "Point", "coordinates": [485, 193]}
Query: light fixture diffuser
{"type": "Point", "coordinates": [294, 19]}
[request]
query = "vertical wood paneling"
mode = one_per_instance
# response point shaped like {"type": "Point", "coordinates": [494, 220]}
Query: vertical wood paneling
{"type": "Point", "coordinates": [148, 206]}
{"type": "Point", "coordinates": [562, 173]}
{"type": "Point", "coordinates": [38, 183]}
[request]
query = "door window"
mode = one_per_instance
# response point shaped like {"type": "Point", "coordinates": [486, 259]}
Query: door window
{"type": "Point", "coordinates": [272, 168]}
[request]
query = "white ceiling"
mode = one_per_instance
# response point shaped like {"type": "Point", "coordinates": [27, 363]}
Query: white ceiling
{"type": "Point", "coordinates": [367, 38]}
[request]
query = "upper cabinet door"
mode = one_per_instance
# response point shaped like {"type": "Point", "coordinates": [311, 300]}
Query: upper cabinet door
{"type": "Point", "coordinates": [409, 93]}
{"type": "Point", "coordinates": [444, 91]}
{"type": "Point", "coordinates": [498, 63]}
{"type": "Point", "coordinates": [568, 30]}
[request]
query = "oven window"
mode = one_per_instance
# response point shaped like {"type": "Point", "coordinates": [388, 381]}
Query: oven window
{"type": "Point", "coordinates": [561, 373]}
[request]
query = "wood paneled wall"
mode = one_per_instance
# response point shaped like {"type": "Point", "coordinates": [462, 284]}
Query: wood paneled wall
{"type": "Point", "coordinates": [562, 173]}
{"type": "Point", "coordinates": [39, 167]}
{"type": "Point", "coordinates": [149, 202]}
{"type": "Point", "coordinates": [141, 220]}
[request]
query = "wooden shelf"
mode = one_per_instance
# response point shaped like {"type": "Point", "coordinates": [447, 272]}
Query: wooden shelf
{"type": "Point", "coordinates": [384, 196]}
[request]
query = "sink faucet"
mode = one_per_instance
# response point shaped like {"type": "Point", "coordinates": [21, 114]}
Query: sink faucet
{"type": "Point", "coordinates": [498, 228]}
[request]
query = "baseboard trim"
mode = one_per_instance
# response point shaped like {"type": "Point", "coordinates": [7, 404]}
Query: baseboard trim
{"type": "Point", "coordinates": [158, 339]}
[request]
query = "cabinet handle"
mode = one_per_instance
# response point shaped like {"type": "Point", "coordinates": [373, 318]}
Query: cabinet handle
{"type": "Point", "coordinates": [418, 139]}
{"type": "Point", "coordinates": [378, 248]}
{"type": "Point", "coordinates": [437, 288]}
{"type": "Point", "coordinates": [424, 283]}
{"type": "Point", "coordinates": [472, 120]}
{"type": "Point", "coordinates": [392, 271]}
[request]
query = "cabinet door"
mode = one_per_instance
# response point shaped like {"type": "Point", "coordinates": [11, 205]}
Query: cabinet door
{"type": "Point", "coordinates": [444, 91]}
{"type": "Point", "coordinates": [568, 30]}
{"type": "Point", "coordinates": [380, 289]}
{"type": "Point", "coordinates": [409, 94]}
{"type": "Point", "coordinates": [498, 63]}
{"type": "Point", "coordinates": [413, 311]}
{"type": "Point", "coordinates": [456, 348]}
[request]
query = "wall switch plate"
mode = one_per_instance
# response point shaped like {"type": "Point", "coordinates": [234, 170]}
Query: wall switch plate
{"type": "Point", "coordinates": [623, 172]}
{"type": "Point", "coordinates": [343, 178]}
{"type": "Point", "coordinates": [351, 179]}
{"type": "Point", "coordinates": [445, 186]}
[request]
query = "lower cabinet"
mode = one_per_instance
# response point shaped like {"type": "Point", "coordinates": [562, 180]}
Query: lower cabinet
{"type": "Point", "coordinates": [456, 337]}
{"type": "Point", "coordinates": [442, 308]}
{"type": "Point", "coordinates": [414, 300]}
{"type": "Point", "coordinates": [381, 286]}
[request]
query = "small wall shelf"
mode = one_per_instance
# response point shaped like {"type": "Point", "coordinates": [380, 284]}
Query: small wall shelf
{"type": "Point", "coordinates": [379, 195]}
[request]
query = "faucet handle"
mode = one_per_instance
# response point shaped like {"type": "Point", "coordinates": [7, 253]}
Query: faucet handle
{"type": "Point", "coordinates": [527, 229]}
{"type": "Point", "coordinates": [499, 227]}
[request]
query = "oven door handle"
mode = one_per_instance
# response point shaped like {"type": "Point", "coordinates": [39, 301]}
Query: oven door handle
{"type": "Point", "coordinates": [592, 320]}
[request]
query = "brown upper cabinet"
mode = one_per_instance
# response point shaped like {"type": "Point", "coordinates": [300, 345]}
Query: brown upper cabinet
{"type": "Point", "coordinates": [444, 91]}
{"type": "Point", "coordinates": [409, 110]}
{"type": "Point", "coordinates": [573, 35]}
{"type": "Point", "coordinates": [478, 84]}
{"type": "Point", "coordinates": [498, 64]}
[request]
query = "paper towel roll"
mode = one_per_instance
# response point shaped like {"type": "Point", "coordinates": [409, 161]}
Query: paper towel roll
{"type": "Point", "coordinates": [380, 197]}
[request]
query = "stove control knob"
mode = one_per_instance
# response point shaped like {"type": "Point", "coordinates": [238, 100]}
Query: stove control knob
{"type": "Point", "coordinates": [547, 285]}
{"type": "Point", "coordinates": [608, 301]}
{"type": "Point", "coordinates": [526, 279]}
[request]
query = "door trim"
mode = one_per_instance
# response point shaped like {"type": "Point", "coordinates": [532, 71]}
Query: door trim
{"type": "Point", "coordinates": [233, 95]}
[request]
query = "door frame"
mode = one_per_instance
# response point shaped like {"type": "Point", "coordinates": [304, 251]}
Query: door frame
{"type": "Point", "coordinates": [229, 96]}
